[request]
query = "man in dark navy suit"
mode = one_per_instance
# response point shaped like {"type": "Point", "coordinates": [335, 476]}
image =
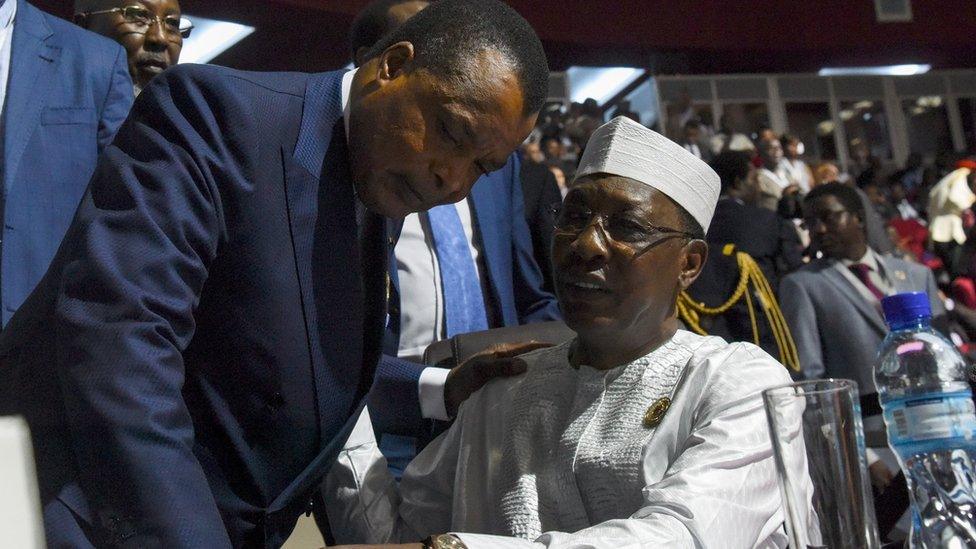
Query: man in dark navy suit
{"type": "Point", "coordinates": [190, 362]}
{"type": "Point", "coordinates": [484, 241]}
{"type": "Point", "coordinates": [63, 94]}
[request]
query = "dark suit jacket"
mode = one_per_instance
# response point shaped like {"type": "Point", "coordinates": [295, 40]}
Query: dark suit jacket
{"type": "Point", "coordinates": [68, 92]}
{"type": "Point", "coordinates": [772, 241]}
{"type": "Point", "coordinates": [540, 192]}
{"type": "Point", "coordinates": [516, 296]}
{"type": "Point", "coordinates": [189, 363]}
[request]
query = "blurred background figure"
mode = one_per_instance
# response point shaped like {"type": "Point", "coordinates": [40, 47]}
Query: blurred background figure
{"type": "Point", "coordinates": [691, 140]}
{"type": "Point", "coordinates": [797, 171]}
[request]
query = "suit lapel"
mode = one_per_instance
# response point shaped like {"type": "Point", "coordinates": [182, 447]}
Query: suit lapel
{"type": "Point", "coordinates": [850, 293]}
{"type": "Point", "coordinates": [897, 276]}
{"type": "Point", "coordinates": [485, 213]}
{"type": "Point", "coordinates": [33, 60]}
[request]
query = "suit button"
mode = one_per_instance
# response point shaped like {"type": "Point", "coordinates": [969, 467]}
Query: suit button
{"type": "Point", "coordinates": [391, 241]}
{"type": "Point", "coordinates": [275, 402]}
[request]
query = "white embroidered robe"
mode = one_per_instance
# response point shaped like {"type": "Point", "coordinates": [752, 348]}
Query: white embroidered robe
{"type": "Point", "coordinates": [561, 457]}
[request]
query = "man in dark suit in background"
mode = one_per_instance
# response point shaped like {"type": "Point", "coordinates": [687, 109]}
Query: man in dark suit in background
{"type": "Point", "coordinates": [541, 192]}
{"type": "Point", "coordinates": [456, 268]}
{"type": "Point", "coordinates": [63, 93]}
{"type": "Point", "coordinates": [189, 364]}
{"type": "Point", "coordinates": [771, 240]}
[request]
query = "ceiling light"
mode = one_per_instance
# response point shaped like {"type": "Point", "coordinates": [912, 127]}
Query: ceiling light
{"type": "Point", "coordinates": [600, 83]}
{"type": "Point", "coordinates": [210, 38]}
{"type": "Point", "coordinates": [888, 70]}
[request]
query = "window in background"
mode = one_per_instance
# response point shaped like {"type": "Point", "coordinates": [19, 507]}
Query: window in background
{"type": "Point", "coordinates": [927, 121]}
{"type": "Point", "coordinates": [680, 113]}
{"type": "Point", "coordinates": [967, 111]}
{"type": "Point", "coordinates": [865, 122]}
{"type": "Point", "coordinates": [747, 118]}
{"type": "Point", "coordinates": [811, 123]}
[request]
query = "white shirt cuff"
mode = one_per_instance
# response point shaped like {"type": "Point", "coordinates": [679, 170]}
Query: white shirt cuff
{"type": "Point", "coordinates": [431, 392]}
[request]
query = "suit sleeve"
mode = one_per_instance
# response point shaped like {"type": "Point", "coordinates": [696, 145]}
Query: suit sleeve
{"type": "Point", "coordinates": [532, 302]}
{"type": "Point", "coordinates": [801, 317]}
{"type": "Point", "coordinates": [790, 249]}
{"type": "Point", "coordinates": [143, 239]}
{"type": "Point", "coordinates": [394, 399]}
{"type": "Point", "coordinates": [118, 101]}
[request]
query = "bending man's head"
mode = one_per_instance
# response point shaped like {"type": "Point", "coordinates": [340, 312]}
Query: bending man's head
{"type": "Point", "coordinates": [629, 235]}
{"type": "Point", "coordinates": [442, 100]}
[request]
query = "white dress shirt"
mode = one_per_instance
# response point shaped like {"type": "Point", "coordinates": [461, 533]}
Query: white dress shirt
{"type": "Point", "coordinates": [422, 301]}
{"type": "Point", "coordinates": [7, 12]}
{"type": "Point", "coordinates": [421, 296]}
{"type": "Point", "coordinates": [564, 457]}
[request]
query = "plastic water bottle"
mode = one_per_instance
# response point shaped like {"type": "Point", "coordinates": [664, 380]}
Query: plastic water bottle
{"type": "Point", "coordinates": [928, 409]}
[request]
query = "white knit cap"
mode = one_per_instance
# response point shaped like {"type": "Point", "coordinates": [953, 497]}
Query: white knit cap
{"type": "Point", "coordinates": [625, 148]}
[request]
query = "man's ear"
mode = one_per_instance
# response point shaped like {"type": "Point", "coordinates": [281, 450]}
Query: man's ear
{"type": "Point", "coordinates": [693, 257]}
{"type": "Point", "coordinates": [394, 61]}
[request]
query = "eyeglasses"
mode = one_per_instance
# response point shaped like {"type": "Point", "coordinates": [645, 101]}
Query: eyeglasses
{"type": "Point", "coordinates": [139, 19]}
{"type": "Point", "coordinates": [639, 237]}
{"type": "Point", "coordinates": [830, 219]}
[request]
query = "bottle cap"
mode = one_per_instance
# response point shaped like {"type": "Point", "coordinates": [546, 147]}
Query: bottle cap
{"type": "Point", "coordinates": [906, 308]}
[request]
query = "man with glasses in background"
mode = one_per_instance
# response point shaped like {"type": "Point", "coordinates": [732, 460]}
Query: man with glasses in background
{"type": "Point", "coordinates": [151, 31]}
{"type": "Point", "coordinates": [63, 94]}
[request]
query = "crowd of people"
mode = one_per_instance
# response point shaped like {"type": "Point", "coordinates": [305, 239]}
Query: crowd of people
{"type": "Point", "coordinates": [218, 288]}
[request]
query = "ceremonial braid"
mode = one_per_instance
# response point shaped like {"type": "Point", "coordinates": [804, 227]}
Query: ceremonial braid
{"type": "Point", "coordinates": [690, 311]}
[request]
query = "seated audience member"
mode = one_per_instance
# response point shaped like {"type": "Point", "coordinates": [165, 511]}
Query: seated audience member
{"type": "Point", "coordinates": [878, 238]}
{"type": "Point", "coordinates": [63, 94]}
{"type": "Point", "coordinates": [833, 308]}
{"type": "Point", "coordinates": [949, 206]}
{"type": "Point", "coordinates": [847, 283]}
{"type": "Point", "coordinates": [906, 210]}
{"type": "Point", "coordinates": [633, 434]}
{"type": "Point", "coordinates": [796, 169]}
{"type": "Point", "coordinates": [457, 268]}
{"type": "Point", "coordinates": [773, 183]}
{"type": "Point", "coordinates": [152, 33]}
{"type": "Point", "coordinates": [772, 241]}
{"type": "Point", "coordinates": [691, 139]}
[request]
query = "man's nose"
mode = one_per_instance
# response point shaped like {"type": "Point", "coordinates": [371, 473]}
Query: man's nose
{"type": "Point", "coordinates": [590, 245]}
{"type": "Point", "coordinates": [156, 36]}
{"type": "Point", "coordinates": [455, 179]}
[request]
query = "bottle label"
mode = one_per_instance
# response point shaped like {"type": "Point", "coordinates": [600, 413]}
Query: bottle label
{"type": "Point", "coordinates": [933, 416]}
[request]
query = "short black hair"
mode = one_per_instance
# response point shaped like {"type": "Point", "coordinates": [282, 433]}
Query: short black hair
{"type": "Point", "coordinates": [731, 166]}
{"type": "Point", "coordinates": [447, 32]}
{"type": "Point", "coordinates": [371, 24]}
{"type": "Point", "coordinates": [693, 124]}
{"type": "Point", "coordinates": [845, 194]}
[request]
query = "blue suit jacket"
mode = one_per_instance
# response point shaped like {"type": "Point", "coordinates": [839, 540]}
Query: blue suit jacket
{"type": "Point", "coordinates": [515, 295]}
{"type": "Point", "coordinates": [190, 362]}
{"type": "Point", "coordinates": [69, 91]}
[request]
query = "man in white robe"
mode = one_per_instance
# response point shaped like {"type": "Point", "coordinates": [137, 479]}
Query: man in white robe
{"type": "Point", "coordinates": [635, 434]}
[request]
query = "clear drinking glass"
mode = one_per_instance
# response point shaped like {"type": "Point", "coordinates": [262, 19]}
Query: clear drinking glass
{"type": "Point", "coordinates": [818, 442]}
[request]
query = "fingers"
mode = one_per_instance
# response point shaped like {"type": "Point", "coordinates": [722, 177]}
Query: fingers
{"type": "Point", "coordinates": [509, 350]}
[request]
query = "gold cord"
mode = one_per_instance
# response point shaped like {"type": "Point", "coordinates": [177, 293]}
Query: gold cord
{"type": "Point", "coordinates": [691, 311]}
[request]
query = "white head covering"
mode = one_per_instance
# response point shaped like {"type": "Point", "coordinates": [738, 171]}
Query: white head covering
{"type": "Point", "coordinates": [625, 148]}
